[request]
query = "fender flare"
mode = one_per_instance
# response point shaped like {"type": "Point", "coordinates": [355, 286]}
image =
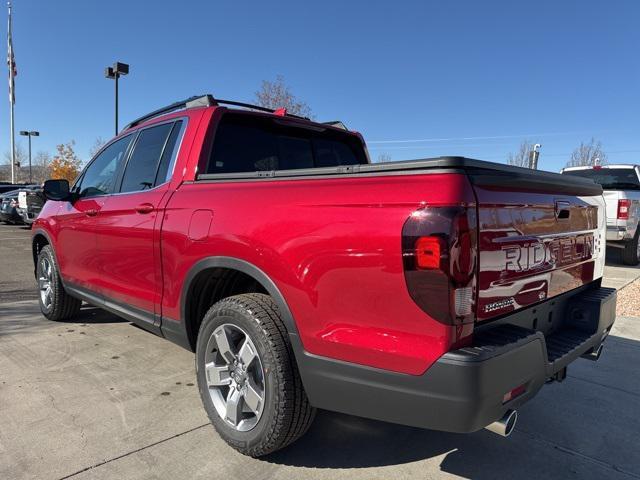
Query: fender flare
{"type": "Point", "coordinates": [247, 268]}
{"type": "Point", "coordinates": [45, 234]}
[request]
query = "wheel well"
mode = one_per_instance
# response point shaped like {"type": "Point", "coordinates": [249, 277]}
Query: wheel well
{"type": "Point", "coordinates": [208, 287]}
{"type": "Point", "coordinates": [39, 241]}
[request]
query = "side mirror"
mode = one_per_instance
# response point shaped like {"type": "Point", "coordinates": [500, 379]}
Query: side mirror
{"type": "Point", "coordinates": [56, 190]}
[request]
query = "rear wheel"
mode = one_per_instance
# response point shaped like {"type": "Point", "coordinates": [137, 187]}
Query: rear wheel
{"type": "Point", "coordinates": [55, 303]}
{"type": "Point", "coordinates": [631, 252]}
{"type": "Point", "coordinates": [248, 378]}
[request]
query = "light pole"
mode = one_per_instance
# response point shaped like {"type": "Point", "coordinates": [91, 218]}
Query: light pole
{"type": "Point", "coordinates": [30, 134]}
{"type": "Point", "coordinates": [535, 154]}
{"type": "Point", "coordinates": [114, 73]}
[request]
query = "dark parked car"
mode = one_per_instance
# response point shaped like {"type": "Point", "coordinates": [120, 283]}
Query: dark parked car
{"type": "Point", "coordinates": [8, 187]}
{"type": "Point", "coordinates": [30, 202]}
{"type": "Point", "coordinates": [9, 206]}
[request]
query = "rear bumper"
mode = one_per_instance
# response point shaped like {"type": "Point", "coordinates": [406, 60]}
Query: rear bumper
{"type": "Point", "coordinates": [463, 391]}
{"type": "Point", "coordinates": [10, 216]}
{"type": "Point", "coordinates": [27, 217]}
{"type": "Point", "coordinates": [623, 232]}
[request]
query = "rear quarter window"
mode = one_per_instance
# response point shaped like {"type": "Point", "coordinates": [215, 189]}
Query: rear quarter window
{"type": "Point", "coordinates": [250, 143]}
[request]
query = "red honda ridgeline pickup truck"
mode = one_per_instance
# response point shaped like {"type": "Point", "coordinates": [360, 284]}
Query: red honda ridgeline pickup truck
{"type": "Point", "coordinates": [437, 293]}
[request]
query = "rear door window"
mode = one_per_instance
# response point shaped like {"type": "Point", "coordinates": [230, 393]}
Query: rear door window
{"type": "Point", "coordinates": [249, 143]}
{"type": "Point", "coordinates": [142, 167]}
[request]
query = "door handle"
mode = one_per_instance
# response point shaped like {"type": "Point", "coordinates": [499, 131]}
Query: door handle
{"type": "Point", "coordinates": [144, 208]}
{"type": "Point", "coordinates": [92, 212]}
{"type": "Point", "coordinates": [563, 210]}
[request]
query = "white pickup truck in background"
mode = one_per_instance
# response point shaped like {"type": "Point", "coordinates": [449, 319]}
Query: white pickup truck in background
{"type": "Point", "coordinates": [621, 185]}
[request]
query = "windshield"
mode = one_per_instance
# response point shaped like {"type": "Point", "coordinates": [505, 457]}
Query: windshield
{"type": "Point", "coordinates": [610, 178]}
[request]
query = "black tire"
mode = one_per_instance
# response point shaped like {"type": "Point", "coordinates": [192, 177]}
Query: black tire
{"type": "Point", "coordinates": [62, 306]}
{"type": "Point", "coordinates": [630, 254]}
{"type": "Point", "coordinates": [286, 414]}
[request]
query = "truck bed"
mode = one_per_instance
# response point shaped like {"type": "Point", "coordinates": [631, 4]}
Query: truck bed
{"type": "Point", "coordinates": [479, 171]}
{"type": "Point", "coordinates": [538, 234]}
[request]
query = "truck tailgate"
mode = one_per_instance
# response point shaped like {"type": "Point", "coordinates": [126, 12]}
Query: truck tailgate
{"type": "Point", "coordinates": [539, 236]}
{"type": "Point", "coordinates": [611, 198]}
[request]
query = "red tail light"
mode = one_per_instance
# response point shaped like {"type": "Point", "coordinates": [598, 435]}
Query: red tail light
{"type": "Point", "coordinates": [623, 209]}
{"type": "Point", "coordinates": [439, 251]}
{"type": "Point", "coordinates": [429, 253]}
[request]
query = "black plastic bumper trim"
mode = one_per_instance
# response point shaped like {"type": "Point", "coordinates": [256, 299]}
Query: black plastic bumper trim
{"type": "Point", "coordinates": [462, 391]}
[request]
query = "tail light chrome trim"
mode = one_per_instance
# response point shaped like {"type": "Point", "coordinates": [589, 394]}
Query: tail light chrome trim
{"type": "Point", "coordinates": [440, 257]}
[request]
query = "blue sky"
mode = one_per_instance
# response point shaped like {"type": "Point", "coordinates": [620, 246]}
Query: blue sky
{"type": "Point", "coordinates": [418, 79]}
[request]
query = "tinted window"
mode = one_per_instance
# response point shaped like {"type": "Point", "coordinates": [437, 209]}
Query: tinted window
{"type": "Point", "coordinates": [247, 143]}
{"type": "Point", "coordinates": [100, 176]}
{"type": "Point", "coordinates": [242, 148]}
{"type": "Point", "coordinates": [294, 152]}
{"type": "Point", "coordinates": [169, 155]}
{"type": "Point", "coordinates": [610, 178]}
{"type": "Point", "coordinates": [330, 153]}
{"type": "Point", "coordinates": [140, 173]}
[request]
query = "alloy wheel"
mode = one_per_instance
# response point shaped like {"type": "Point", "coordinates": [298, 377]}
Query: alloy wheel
{"type": "Point", "coordinates": [45, 279]}
{"type": "Point", "coordinates": [235, 377]}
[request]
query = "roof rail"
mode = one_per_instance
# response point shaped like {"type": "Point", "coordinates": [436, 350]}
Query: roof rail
{"type": "Point", "coordinates": [195, 101]}
{"type": "Point", "coordinates": [336, 124]}
{"type": "Point", "coordinates": [201, 101]}
{"type": "Point", "coordinates": [254, 107]}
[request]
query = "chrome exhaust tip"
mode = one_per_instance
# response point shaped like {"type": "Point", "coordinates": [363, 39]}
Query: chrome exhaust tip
{"type": "Point", "coordinates": [505, 425]}
{"type": "Point", "coordinates": [594, 354]}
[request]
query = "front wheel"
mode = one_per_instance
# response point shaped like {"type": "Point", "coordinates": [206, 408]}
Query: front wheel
{"type": "Point", "coordinates": [247, 376]}
{"type": "Point", "coordinates": [631, 252]}
{"type": "Point", "coordinates": [55, 303]}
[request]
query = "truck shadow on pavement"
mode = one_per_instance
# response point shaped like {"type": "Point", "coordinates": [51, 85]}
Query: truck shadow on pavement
{"type": "Point", "coordinates": [614, 258]}
{"type": "Point", "coordinates": [585, 427]}
{"type": "Point", "coordinates": [23, 317]}
{"type": "Point", "coordinates": [90, 314]}
{"type": "Point", "coordinates": [338, 441]}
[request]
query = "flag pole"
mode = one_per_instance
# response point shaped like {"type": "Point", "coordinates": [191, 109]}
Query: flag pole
{"type": "Point", "coordinates": [10, 62]}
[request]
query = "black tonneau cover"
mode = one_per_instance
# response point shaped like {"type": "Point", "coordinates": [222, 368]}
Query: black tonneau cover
{"type": "Point", "coordinates": [486, 174]}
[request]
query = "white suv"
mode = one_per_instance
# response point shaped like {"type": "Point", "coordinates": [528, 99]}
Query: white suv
{"type": "Point", "coordinates": [621, 184]}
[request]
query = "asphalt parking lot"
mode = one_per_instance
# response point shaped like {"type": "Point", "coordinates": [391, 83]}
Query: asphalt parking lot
{"type": "Point", "coordinates": [16, 266]}
{"type": "Point", "coordinates": [100, 398]}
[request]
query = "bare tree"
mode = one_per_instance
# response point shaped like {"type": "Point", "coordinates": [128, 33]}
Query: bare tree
{"type": "Point", "coordinates": [5, 172]}
{"type": "Point", "coordinates": [383, 157]}
{"type": "Point", "coordinates": [277, 94]}
{"type": "Point", "coordinates": [97, 145]}
{"type": "Point", "coordinates": [522, 156]}
{"type": "Point", "coordinates": [41, 164]}
{"type": "Point", "coordinates": [588, 154]}
{"type": "Point", "coordinates": [21, 171]}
